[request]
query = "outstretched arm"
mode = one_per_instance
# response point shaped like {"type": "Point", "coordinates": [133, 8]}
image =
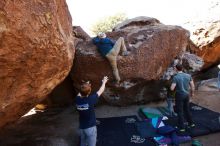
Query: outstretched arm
{"type": "Point", "coordinates": [192, 87]}
{"type": "Point", "coordinates": [102, 88]}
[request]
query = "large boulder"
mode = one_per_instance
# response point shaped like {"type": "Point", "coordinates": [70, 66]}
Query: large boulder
{"type": "Point", "coordinates": [36, 53]}
{"type": "Point", "coordinates": [154, 45]}
{"type": "Point", "coordinates": [206, 42]}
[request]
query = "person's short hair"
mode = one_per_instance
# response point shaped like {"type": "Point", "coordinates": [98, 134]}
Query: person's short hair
{"type": "Point", "coordinates": [85, 88]}
{"type": "Point", "coordinates": [101, 35]}
{"type": "Point", "coordinates": [179, 67]}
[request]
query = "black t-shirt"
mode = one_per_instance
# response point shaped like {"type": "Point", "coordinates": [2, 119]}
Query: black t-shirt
{"type": "Point", "coordinates": [85, 107]}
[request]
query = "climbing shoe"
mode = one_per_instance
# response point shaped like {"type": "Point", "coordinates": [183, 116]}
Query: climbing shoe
{"type": "Point", "coordinates": [192, 126]}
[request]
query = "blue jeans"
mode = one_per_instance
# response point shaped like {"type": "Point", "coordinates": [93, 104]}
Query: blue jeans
{"type": "Point", "coordinates": [88, 136]}
{"type": "Point", "coordinates": [170, 105]}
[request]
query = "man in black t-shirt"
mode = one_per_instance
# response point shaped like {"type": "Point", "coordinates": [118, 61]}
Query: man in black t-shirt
{"type": "Point", "coordinates": [85, 105]}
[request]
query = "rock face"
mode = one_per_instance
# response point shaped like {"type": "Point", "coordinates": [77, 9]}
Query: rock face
{"type": "Point", "coordinates": [79, 33]}
{"type": "Point", "coordinates": [154, 45]}
{"type": "Point", "coordinates": [208, 85]}
{"type": "Point", "coordinates": [191, 62]}
{"type": "Point", "coordinates": [207, 74]}
{"type": "Point", "coordinates": [62, 95]}
{"type": "Point", "coordinates": [206, 42]}
{"type": "Point", "coordinates": [36, 53]}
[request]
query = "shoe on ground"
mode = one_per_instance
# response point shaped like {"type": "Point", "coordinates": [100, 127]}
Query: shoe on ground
{"type": "Point", "coordinates": [192, 126]}
{"type": "Point", "coordinates": [126, 53]}
{"type": "Point", "coordinates": [182, 130]}
{"type": "Point", "coordinates": [175, 114]}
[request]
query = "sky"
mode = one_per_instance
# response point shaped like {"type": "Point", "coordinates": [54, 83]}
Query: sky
{"type": "Point", "coordinates": [171, 12]}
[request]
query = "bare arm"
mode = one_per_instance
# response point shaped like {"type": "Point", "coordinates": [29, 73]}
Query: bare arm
{"type": "Point", "coordinates": [192, 87]}
{"type": "Point", "coordinates": [172, 87]}
{"type": "Point", "coordinates": [102, 88]}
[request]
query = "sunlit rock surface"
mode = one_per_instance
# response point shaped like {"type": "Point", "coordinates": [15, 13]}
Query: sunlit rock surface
{"type": "Point", "coordinates": [36, 53]}
{"type": "Point", "coordinates": [153, 46]}
{"type": "Point", "coordinates": [206, 42]}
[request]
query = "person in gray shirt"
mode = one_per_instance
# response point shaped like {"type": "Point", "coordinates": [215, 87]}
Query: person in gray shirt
{"type": "Point", "coordinates": [182, 83]}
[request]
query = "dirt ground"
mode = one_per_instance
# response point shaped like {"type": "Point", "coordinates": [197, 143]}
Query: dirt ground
{"type": "Point", "coordinates": [59, 126]}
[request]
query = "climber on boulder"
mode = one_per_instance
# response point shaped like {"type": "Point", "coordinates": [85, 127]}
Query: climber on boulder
{"type": "Point", "coordinates": [110, 50]}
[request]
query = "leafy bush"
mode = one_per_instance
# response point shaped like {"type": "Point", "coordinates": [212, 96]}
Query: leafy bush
{"type": "Point", "coordinates": [108, 23]}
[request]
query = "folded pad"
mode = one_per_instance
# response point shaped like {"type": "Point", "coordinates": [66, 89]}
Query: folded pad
{"type": "Point", "coordinates": [155, 128]}
{"type": "Point", "coordinates": [151, 112]}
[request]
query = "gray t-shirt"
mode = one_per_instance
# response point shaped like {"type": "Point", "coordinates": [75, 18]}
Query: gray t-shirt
{"type": "Point", "coordinates": [182, 81]}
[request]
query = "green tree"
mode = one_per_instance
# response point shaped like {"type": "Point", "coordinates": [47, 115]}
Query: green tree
{"type": "Point", "coordinates": [108, 23]}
